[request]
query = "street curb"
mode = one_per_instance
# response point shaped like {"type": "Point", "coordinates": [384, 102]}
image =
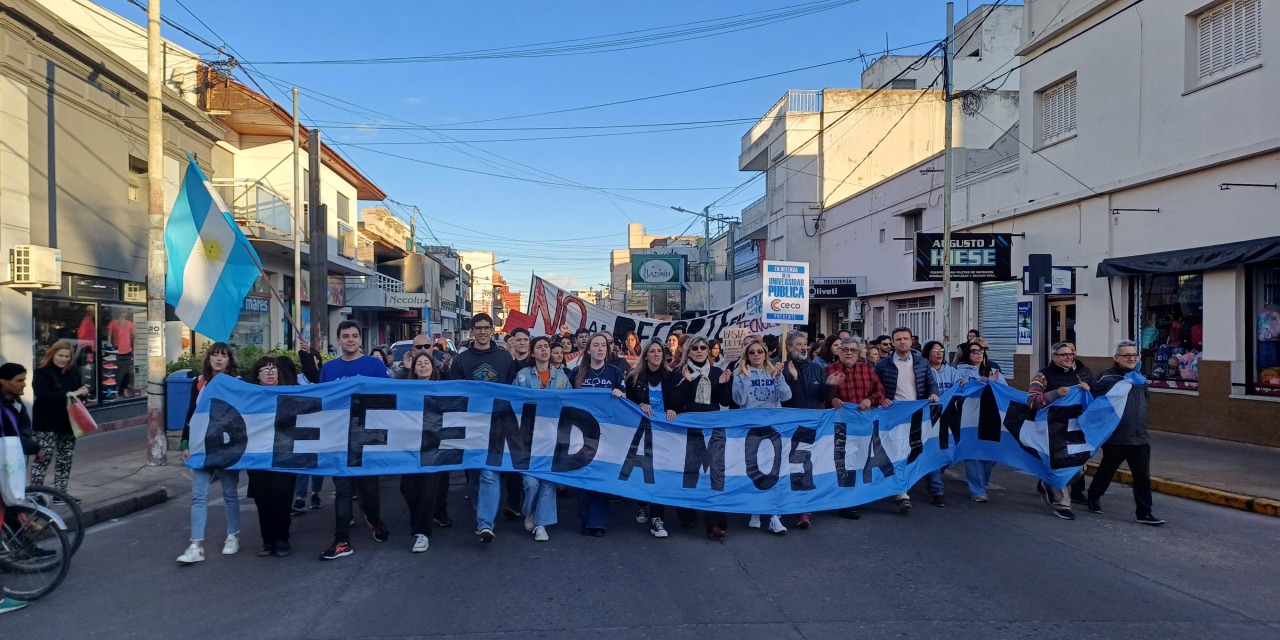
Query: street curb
{"type": "Point", "coordinates": [1264, 506]}
{"type": "Point", "coordinates": [124, 505]}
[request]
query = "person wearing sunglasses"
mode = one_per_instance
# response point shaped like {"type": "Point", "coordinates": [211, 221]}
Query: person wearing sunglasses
{"type": "Point", "coordinates": [976, 365]}
{"type": "Point", "coordinates": [701, 387]}
{"type": "Point", "coordinates": [650, 386]}
{"type": "Point", "coordinates": [1048, 385]}
{"type": "Point", "coordinates": [1129, 442]}
{"type": "Point", "coordinates": [758, 384]}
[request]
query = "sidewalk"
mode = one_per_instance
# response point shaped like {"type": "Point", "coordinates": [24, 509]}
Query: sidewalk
{"type": "Point", "coordinates": [1230, 474]}
{"type": "Point", "coordinates": [112, 478]}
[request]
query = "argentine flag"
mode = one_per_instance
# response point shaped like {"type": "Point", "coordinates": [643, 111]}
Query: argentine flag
{"type": "Point", "coordinates": [212, 266]}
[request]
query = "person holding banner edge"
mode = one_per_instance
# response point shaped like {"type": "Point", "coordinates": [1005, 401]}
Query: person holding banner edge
{"type": "Point", "coordinates": [539, 506]}
{"type": "Point", "coordinates": [594, 372]}
{"type": "Point", "coordinates": [650, 385]}
{"type": "Point", "coordinates": [1129, 442]}
{"type": "Point", "coordinates": [218, 360]}
{"type": "Point", "coordinates": [905, 376]}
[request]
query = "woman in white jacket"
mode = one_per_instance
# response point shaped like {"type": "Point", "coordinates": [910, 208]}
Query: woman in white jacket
{"type": "Point", "coordinates": [758, 384]}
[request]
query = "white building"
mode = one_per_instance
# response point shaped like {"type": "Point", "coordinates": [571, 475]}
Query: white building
{"type": "Point", "coordinates": [1148, 158]}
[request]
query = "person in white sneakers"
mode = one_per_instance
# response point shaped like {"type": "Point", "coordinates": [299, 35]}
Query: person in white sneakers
{"type": "Point", "coordinates": [218, 360]}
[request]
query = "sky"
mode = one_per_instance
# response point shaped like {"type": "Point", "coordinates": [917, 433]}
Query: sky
{"type": "Point", "coordinates": [555, 206]}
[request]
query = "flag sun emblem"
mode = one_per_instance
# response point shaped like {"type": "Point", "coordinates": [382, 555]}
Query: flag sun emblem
{"type": "Point", "coordinates": [211, 250]}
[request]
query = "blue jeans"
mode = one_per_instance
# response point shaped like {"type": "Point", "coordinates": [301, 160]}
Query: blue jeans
{"type": "Point", "coordinates": [489, 496]}
{"type": "Point", "coordinates": [978, 473]}
{"type": "Point", "coordinates": [936, 487]}
{"type": "Point", "coordinates": [300, 487]}
{"type": "Point", "coordinates": [540, 501]}
{"type": "Point", "coordinates": [593, 509]}
{"type": "Point", "coordinates": [200, 479]}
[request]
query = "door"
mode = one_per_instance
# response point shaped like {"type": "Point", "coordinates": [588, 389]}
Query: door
{"type": "Point", "coordinates": [1061, 321]}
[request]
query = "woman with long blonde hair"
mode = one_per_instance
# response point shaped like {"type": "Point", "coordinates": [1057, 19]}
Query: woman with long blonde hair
{"type": "Point", "coordinates": [55, 379]}
{"type": "Point", "coordinates": [758, 384]}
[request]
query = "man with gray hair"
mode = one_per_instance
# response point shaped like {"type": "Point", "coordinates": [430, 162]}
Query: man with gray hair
{"type": "Point", "coordinates": [805, 377]}
{"type": "Point", "coordinates": [1047, 386]}
{"type": "Point", "coordinates": [1129, 442]}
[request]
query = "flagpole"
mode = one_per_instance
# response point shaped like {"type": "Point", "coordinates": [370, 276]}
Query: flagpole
{"type": "Point", "coordinates": [157, 442]}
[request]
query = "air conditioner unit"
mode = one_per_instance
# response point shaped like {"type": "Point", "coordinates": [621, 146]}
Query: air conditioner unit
{"type": "Point", "coordinates": [34, 267]}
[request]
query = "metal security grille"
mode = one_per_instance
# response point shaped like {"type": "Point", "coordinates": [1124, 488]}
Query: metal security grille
{"type": "Point", "coordinates": [1229, 36]}
{"type": "Point", "coordinates": [998, 322]}
{"type": "Point", "coordinates": [917, 314]}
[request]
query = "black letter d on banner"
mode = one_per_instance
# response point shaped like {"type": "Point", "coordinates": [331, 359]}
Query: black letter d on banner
{"type": "Point", "coordinates": [225, 423]}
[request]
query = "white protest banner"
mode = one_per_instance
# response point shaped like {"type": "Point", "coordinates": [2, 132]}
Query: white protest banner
{"type": "Point", "coordinates": [786, 292]}
{"type": "Point", "coordinates": [552, 308]}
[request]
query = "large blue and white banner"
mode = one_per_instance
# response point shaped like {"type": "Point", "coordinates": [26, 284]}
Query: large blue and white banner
{"type": "Point", "coordinates": [743, 461]}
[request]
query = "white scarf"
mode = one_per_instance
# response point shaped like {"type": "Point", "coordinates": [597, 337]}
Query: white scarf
{"type": "Point", "coordinates": [701, 375]}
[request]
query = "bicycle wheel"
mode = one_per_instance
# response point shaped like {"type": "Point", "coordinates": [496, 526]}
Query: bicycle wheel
{"type": "Point", "coordinates": [34, 553]}
{"type": "Point", "coordinates": [67, 508]}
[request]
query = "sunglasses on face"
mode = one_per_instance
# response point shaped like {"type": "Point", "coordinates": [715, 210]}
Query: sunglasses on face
{"type": "Point", "coordinates": [421, 346]}
{"type": "Point", "coordinates": [701, 347]}
{"type": "Point", "coordinates": [267, 370]}
{"type": "Point", "coordinates": [755, 352]}
{"type": "Point", "coordinates": [976, 350]}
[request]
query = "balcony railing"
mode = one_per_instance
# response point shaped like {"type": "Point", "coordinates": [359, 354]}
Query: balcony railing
{"type": "Point", "coordinates": [375, 281]}
{"type": "Point", "coordinates": [253, 202]}
{"type": "Point", "coordinates": [795, 101]}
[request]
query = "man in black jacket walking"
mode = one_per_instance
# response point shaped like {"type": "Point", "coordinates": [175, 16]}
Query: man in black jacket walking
{"type": "Point", "coordinates": [1129, 442]}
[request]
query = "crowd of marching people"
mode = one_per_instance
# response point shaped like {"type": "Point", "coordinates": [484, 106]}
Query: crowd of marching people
{"type": "Point", "coordinates": [664, 378]}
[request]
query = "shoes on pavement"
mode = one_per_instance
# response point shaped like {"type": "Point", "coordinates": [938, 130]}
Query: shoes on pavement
{"type": "Point", "coordinates": [754, 522]}
{"type": "Point", "coordinates": [266, 550]}
{"type": "Point", "coordinates": [716, 532]}
{"type": "Point", "coordinates": [193, 554]}
{"type": "Point", "coordinates": [656, 528]}
{"type": "Point", "coordinates": [380, 532]}
{"type": "Point", "coordinates": [775, 526]}
{"type": "Point", "coordinates": [904, 506]}
{"type": "Point", "coordinates": [1065, 514]}
{"type": "Point", "coordinates": [805, 521]}
{"type": "Point", "coordinates": [315, 501]}
{"type": "Point", "coordinates": [8, 605]}
{"type": "Point", "coordinates": [232, 546]}
{"type": "Point", "coordinates": [486, 535]}
{"type": "Point", "coordinates": [1095, 505]}
{"type": "Point", "coordinates": [420, 543]}
{"type": "Point", "coordinates": [939, 501]}
{"type": "Point", "coordinates": [443, 521]}
{"type": "Point", "coordinates": [299, 506]}
{"type": "Point", "coordinates": [528, 523]}
{"type": "Point", "coordinates": [642, 515]}
{"type": "Point", "coordinates": [338, 549]}
{"type": "Point", "coordinates": [1151, 520]}
{"type": "Point", "coordinates": [283, 549]}
{"type": "Point", "coordinates": [980, 499]}
{"type": "Point", "coordinates": [540, 534]}
{"type": "Point", "coordinates": [850, 514]}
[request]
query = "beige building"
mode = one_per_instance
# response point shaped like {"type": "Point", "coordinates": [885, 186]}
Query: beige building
{"type": "Point", "coordinates": [1147, 160]}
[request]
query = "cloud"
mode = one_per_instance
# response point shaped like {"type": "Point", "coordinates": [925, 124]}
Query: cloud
{"type": "Point", "coordinates": [568, 282]}
{"type": "Point", "coordinates": [412, 100]}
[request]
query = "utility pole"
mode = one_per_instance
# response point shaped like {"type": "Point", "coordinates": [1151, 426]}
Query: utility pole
{"type": "Point", "coordinates": [319, 247]}
{"type": "Point", "coordinates": [947, 177]}
{"type": "Point", "coordinates": [706, 254]}
{"type": "Point", "coordinates": [297, 218]}
{"type": "Point", "coordinates": [157, 442]}
{"type": "Point", "coordinates": [728, 262]}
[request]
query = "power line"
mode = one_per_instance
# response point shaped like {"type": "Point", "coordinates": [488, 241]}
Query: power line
{"type": "Point", "coordinates": [730, 24]}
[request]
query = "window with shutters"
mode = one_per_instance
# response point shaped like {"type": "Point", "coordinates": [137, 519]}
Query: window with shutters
{"type": "Point", "coordinates": [1057, 111]}
{"type": "Point", "coordinates": [917, 314]}
{"type": "Point", "coordinates": [1227, 39]}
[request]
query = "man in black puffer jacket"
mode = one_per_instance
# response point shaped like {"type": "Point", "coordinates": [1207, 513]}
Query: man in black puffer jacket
{"type": "Point", "coordinates": [1128, 443]}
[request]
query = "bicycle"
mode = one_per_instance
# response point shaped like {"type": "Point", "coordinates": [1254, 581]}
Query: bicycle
{"type": "Point", "coordinates": [71, 517]}
{"type": "Point", "coordinates": [34, 552]}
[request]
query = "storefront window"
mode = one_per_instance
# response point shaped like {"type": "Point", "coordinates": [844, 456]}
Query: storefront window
{"type": "Point", "coordinates": [104, 336]}
{"type": "Point", "coordinates": [56, 320]}
{"type": "Point", "coordinates": [121, 374]}
{"type": "Point", "coordinates": [251, 328]}
{"type": "Point", "coordinates": [1171, 312]}
{"type": "Point", "coordinates": [1264, 374]}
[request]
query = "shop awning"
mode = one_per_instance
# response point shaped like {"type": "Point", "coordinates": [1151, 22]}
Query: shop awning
{"type": "Point", "coordinates": [1198, 259]}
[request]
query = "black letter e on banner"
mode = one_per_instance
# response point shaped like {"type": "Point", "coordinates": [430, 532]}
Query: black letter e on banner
{"type": "Point", "coordinates": [358, 437]}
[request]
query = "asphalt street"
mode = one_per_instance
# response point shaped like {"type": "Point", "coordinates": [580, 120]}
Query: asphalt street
{"type": "Point", "coordinates": [1006, 569]}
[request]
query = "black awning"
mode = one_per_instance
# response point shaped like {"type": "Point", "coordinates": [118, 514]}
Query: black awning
{"type": "Point", "coordinates": [1198, 259]}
